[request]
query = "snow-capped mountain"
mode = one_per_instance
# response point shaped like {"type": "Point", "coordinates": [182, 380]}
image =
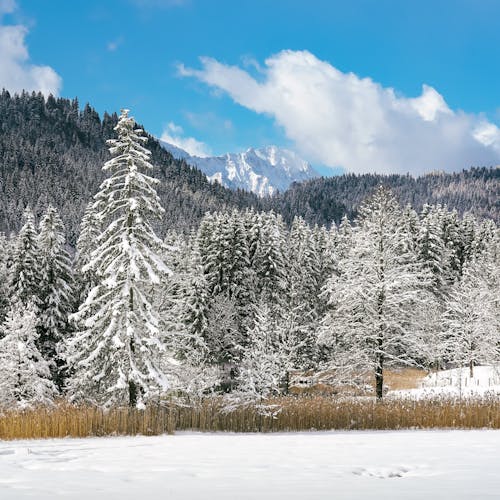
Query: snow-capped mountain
{"type": "Point", "coordinates": [262, 171]}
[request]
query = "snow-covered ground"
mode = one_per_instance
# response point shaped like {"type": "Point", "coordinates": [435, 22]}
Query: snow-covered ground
{"type": "Point", "coordinates": [316, 465]}
{"type": "Point", "coordinates": [456, 383]}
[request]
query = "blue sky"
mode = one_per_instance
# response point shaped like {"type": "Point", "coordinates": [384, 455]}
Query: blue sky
{"type": "Point", "coordinates": [340, 82]}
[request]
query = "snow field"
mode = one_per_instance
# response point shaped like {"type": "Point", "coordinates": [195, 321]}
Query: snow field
{"type": "Point", "coordinates": [316, 465]}
{"type": "Point", "coordinates": [456, 383]}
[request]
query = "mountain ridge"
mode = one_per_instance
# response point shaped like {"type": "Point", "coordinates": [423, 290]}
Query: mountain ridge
{"type": "Point", "coordinates": [263, 171]}
{"type": "Point", "coordinates": [52, 151]}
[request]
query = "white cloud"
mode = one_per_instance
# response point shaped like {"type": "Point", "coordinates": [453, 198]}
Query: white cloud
{"type": "Point", "coordinates": [341, 119]}
{"type": "Point", "coordinates": [173, 134]}
{"type": "Point", "coordinates": [16, 71]}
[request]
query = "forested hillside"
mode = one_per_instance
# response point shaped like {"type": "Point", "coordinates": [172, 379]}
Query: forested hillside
{"type": "Point", "coordinates": [52, 152]}
{"type": "Point", "coordinates": [322, 200]}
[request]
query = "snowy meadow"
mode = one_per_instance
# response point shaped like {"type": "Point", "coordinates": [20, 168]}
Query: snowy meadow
{"type": "Point", "coordinates": [320, 465]}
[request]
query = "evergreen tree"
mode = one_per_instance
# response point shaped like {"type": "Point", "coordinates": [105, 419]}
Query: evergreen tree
{"type": "Point", "coordinates": [116, 354]}
{"type": "Point", "coordinates": [90, 229]}
{"type": "Point", "coordinates": [56, 288]}
{"type": "Point", "coordinates": [261, 370]}
{"type": "Point", "coordinates": [25, 278]}
{"type": "Point", "coordinates": [24, 373]}
{"type": "Point", "coordinates": [432, 249]}
{"type": "Point", "coordinates": [5, 265]}
{"type": "Point", "coordinates": [268, 260]}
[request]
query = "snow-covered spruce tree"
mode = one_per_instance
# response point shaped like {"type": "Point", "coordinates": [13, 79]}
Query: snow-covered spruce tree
{"type": "Point", "coordinates": [116, 352]}
{"type": "Point", "coordinates": [432, 250]}
{"type": "Point", "coordinates": [260, 371]}
{"type": "Point", "coordinates": [56, 289]}
{"type": "Point", "coordinates": [471, 327]}
{"type": "Point", "coordinates": [224, 257]}
{"type": "Point", "coordinates": [5, 264]}
{"type": "Point", "coordinates": [273, 351]}
{"type": "Point", "coordinates": [268, 259]}
{"type": "Point", "coordinates": [25, 377]}
{"type": "Point", "coordinates": [302, 287]}
{"type": "Point", "coordinates": [90, 230]}
{"type": "Point", "coordinates": [376, 304]}
{"type": "Point", "coordinates": [25, 278]}
{"type": "Point", "coordinates": [194, 299]}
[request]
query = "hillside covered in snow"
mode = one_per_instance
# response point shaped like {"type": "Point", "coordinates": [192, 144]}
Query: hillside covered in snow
{"type": "Point", "coordinates": [263, 171]}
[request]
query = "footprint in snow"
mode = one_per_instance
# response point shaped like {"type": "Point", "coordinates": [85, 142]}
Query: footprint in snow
{"type": "Point", "coordinates": [382, 472]}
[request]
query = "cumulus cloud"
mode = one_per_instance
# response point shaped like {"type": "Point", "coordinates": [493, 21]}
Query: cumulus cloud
{"type": "Point", "coordinates": [16, 71]}
{"type": "Point", "coordinates": [174, 134]}
{"type": "Point", "coordinates": [342, 120]}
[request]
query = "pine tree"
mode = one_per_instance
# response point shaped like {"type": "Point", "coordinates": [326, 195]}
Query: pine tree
{"type": "Point", "coordinates": [24, 373]}
{"type": "Point", "coordinates": [90, 229]}
{"type": "Point", "coordinates": [303, 285]}
{"type": "Point", "coordinates": [261, 370]}
{"type": "Point", "coordinates": [432, 249]}
{"type": "Point", "coordinates": [56, 287]}
{"type": "Point", "coordinates": [5, 264]}
{"type": "Point", "coordinates": [268, 259]}
{"type": "Point", "coordinates": [273, 351]}
{"type": "Point", "coordinates": [376, 304]}
{"type": "Point", "coordinates": [117, 352]}
{"type": "Point", "coordinates": [25, 278]}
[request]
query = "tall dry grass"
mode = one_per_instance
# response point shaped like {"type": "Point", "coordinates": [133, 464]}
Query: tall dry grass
{"type": "Point", "coordinates": [297, 414]}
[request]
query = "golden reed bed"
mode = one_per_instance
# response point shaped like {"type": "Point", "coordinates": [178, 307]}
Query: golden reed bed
{"type": "Point", "coordinates": [297, 414]}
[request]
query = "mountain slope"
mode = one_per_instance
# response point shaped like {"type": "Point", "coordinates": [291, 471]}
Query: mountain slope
{"type": "Point", "coordinates": [53, 152]}
{"type": "Point", "coordinates": [262, 171]}
{"type": "Point", "coordinates": [327, 199]}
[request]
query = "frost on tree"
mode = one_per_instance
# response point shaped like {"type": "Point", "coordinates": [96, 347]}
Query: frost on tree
{"type": "Point", "coordinates": [116, 354]}
{"type": "Point", "coordinates": [24, 373]}
{"type": "Point", "coordinates": [471, 327]}
{"type": "Point", "coordinates": [56, 288]}
{"type": "Point", "coordinates": [375, 315]}
{"type": "Point", "coordinates": [25, 275]}
{"type": "Point", "coordinates": [90, 229]}
{"type": "Point", "coordinates": [274, 346]}
{"type": "Point", "coordinates": [5, 267]}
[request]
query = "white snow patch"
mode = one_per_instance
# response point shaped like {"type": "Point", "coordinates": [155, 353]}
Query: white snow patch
{"type": "Point", "coordinates": [319, 465]}
{"type": "Point", "coordinates": [456, 382]}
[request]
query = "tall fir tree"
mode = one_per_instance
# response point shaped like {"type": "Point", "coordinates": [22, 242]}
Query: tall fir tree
{"type": "Point", "coordinates": [25, 277]}
{"type": "Point", "coordinates": [90, 230]}
{"type": "Point", "coordinates": [116, 354]}
{"type": "Point", "coordinates": [56, 289]}
{"type": "Point", "coordinates": [5, 264]}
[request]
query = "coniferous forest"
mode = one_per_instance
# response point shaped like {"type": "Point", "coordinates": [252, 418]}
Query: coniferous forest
{"type": "Point", "coordinates": [52, 152]}
{"type": "Point", "coordinates": [170, 289]}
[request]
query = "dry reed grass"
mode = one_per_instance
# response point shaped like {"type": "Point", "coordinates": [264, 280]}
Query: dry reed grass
{"type": "Point", "coordinates": [297, 414]}
{"type": "Point", "coordinates": [404, 378]}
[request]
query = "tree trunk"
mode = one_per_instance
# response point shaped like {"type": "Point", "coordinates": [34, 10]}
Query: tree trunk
{"type": "Point", "coordinates": [132, 394]}
{"type": "Point", "coordinates": [471, 368]}
{"type": "Point", "coordinates": [379, 378]}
